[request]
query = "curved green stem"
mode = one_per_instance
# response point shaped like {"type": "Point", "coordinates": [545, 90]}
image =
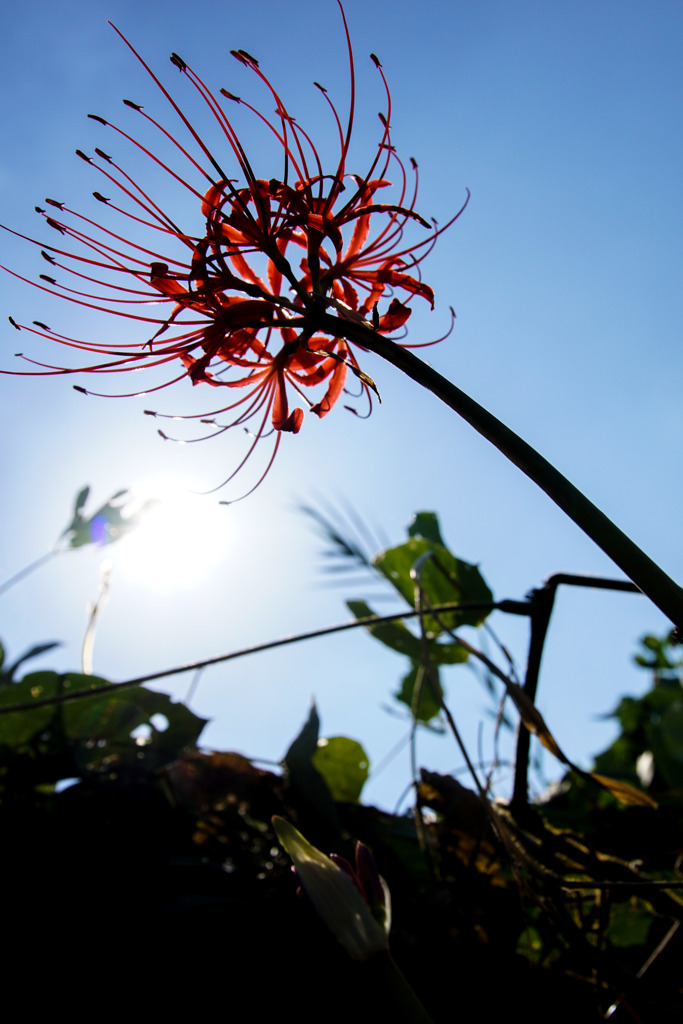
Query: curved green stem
{"type": "Point", "coordinates": [399, 1003]}
{"type": "Point", "coordinates": [646, 574]}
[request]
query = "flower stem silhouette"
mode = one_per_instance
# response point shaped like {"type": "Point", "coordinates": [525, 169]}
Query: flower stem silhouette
{"type": "Point", "coordinates": [664, 592]}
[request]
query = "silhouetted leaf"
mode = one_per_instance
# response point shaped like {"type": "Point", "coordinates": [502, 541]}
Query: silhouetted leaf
{"type": "Point", "coordinates": [303, 777]}
{"type": "Point", "coordinates": [33, 652]}
{"type": "Point", "coordinates": [81, 499]}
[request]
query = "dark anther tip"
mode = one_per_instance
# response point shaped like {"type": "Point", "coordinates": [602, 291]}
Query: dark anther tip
{"type": "Point", "coordinates": [248, 56]}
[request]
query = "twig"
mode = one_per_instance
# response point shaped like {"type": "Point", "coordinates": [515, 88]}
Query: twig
{"type": "Point", "coordinates": [28, 569]}
{"type": "Point", "coordinates": [128, 684]}
{"type": "Point", "coordinates": [541, 607]}
{"type": "Point", "coordinates": [420, 601]}
{"type": "Point", "coordinates": [95, 609]}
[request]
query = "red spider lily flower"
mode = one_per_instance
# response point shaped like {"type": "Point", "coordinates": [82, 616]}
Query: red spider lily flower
{"type": "Point", "coordinates": [233, 304]}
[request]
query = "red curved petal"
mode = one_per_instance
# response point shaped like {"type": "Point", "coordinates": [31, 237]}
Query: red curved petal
{"type": "Point", "coordinates": [333, 392]}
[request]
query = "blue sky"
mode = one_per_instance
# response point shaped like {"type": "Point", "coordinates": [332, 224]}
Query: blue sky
{"type": "Point", "coordinates": [564, 121]}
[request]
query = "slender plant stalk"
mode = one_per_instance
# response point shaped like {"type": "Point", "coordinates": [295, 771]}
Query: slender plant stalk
{"type": "Point", "coordinates": [541, 605]}
{"type": "Point", "coordinates": [103, 689]}
{"type": "Point", "coordinates": [646, 574]}
{"type": "Point", "coordinates": [28, 569]}
{"type": "Point", "coordinates": [95, 610]}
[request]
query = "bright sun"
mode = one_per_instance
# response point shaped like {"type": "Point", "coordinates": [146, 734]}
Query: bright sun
{"type": "Point", "coordinates": [168, 549]}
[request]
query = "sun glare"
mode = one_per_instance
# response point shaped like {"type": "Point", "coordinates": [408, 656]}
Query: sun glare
{"type": "Point", "coordinates": [168, 549]}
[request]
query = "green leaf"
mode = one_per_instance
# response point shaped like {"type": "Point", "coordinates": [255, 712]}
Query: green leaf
{"type": "Point", "coordinates": [630, 714]}
{"type": "Point", "coordinates": [106, 525]}
{"type": "Point", "coordinates": [19, 728]}
{"type": "Point", "coordinates": [344, 765]}
{"type": "Point", "coordinates": [417, 694]}
{"type": "Point", "coordinates": [530, 944]}
{"type": "Point", "coordinates": [98, 728]}
{"type": "Point", "coordinates": [665, 739]}
{"type": "Point", "coordinates": [444, 578]}
{"type": "Point", "coordinates": [664, 661]}
{"type": "Point", "coordinates": [104, 725]}
{"type": "Point", "coordinates": [426, 525]}
{"type": "Point", "coordinates": [399, 638]}
{"type": "Point", "coordinates": [447, 654]}
{"type": "Point", "coordinates": [619, 760]}
{"type": "Point", "coordinates": [395, 635]}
